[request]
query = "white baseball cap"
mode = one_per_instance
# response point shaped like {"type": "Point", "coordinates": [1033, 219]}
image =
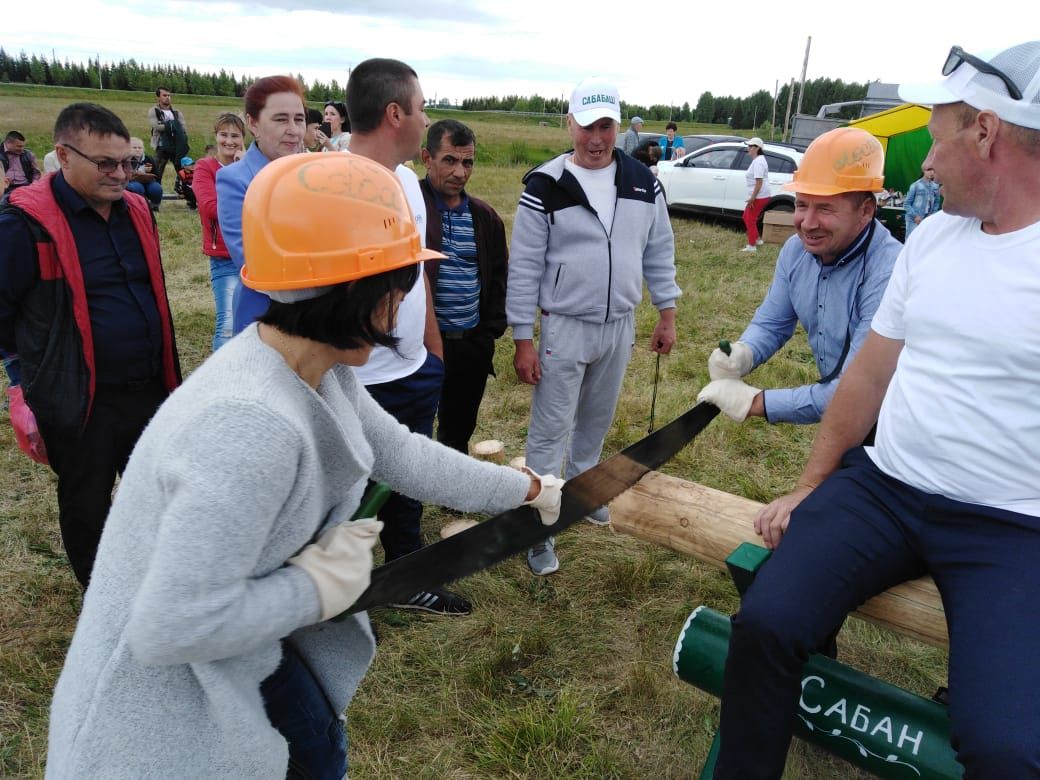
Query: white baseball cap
{"type": "Point", "coordinates": [593, 99]}
{"type": "Point", "coordinates": [988, 81]}
{"type": "Point", "coordinates": [756, 141]}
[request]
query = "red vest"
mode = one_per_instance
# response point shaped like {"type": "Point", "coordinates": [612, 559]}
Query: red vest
{"type": "Point", "coordinates": [59, 265]}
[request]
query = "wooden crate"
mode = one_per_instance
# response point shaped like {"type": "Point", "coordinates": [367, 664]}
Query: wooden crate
{"type": "Point", "coordinates": [777, 226]}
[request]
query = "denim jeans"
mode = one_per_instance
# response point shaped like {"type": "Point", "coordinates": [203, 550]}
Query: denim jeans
{"type": "Point", "coordinates": [223, 277]}
{"type": "Point", "coordinates": [152, 191]}
{"type": "Point", "coordinates": [298, 708]}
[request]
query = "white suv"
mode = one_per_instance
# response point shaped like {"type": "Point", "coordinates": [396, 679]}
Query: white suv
{"type": "Point", "coordinates": [711, 180]}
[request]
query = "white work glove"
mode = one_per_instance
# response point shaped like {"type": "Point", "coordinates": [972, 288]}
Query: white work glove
{"type": "Point", "coordinates": [732, 366]}
{"type": "Point", "coordinates": [340, 563]}
{"type": "Point", "coordinates": [732, 396]}
{"type": "Point", "coordinates": [549, 498]}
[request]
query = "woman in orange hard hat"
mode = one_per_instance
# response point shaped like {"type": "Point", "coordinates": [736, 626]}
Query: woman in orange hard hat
{"type": "Point", "coordinates": [204, 647]}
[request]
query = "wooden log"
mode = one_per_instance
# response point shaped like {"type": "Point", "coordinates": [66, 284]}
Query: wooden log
{"type": "Point", "coordinates": [518, 462]}
{"type": "Point", "coordinates": [709, 524]}
{"type": "Point", "coordinates": [491, 450]}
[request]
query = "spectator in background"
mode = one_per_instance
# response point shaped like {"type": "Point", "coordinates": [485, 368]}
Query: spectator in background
{"type": "Point", "coordinates": [671, 144]}
{"type": "Point", "coordinates": [630, 142]}
{"type": "Point", "coordinates": [310, 135]}
{"type": "Point", "coordinates": [922, 199]}
{"type": "Point", "coordinates": [20, 167]}
{"type": "Point", "coordinates": [223, 274]}
{"type": "Point", "coordinates": [648, 153]}
{"type": "Point", "coordinates": [276, 119]}
{"type": "Point", "coordinates": [469, 285]}
{"type": "Point", "coordinates": [186, 175]}
{"type": "Point", "coordinates": [169, 134]}
{"type": "Point", "coordinates": [95, 343]}
{"type": "Point", "coordinates": [338, 137]}
{"type": "Point", "coordinates": [143, 180]}
{"type": "Point", "coordinates": [209, 151]}
{"type": "Point", "coordinates": [50, 162]}
{"type": "Point", "coordinates": [757, 180]}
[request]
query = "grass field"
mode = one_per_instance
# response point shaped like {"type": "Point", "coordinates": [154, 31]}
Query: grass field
{"type": "Point", "coordinates": [567, 676]}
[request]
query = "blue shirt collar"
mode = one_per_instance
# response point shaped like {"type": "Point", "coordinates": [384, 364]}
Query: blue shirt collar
{"type": "Point", "coordinates": [443, 207]}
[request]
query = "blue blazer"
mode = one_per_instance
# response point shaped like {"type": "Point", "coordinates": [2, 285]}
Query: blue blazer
{"type": "Point", "coordinates": [232, 182]}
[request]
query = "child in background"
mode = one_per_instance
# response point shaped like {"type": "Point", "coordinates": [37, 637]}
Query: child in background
{"type": "Point", "coordinates": [186, 175]}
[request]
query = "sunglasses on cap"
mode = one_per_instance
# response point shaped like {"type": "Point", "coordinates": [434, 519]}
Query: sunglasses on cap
{"type": "Point", "coordinates": [958, 56]}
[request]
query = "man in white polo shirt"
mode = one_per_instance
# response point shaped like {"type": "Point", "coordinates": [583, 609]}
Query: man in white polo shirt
{"type": "Point", "coordinates": [951, 488]}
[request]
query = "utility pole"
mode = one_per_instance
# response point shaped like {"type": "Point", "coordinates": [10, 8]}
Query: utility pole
{"type": "Point", "coordinates": [99, 84]}
{"type": "Point", "coordinates": [772, 120]}
{"type": "Point", "coordinates": [787, 117]}
{"type": "Point", "coordinates": [805, 67]}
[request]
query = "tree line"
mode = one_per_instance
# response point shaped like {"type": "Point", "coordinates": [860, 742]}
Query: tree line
{"type": "Point", "coordinates": [737, 112]}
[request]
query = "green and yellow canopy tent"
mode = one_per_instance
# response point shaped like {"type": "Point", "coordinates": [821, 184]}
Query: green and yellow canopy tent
{"type": "Point", "coordinates": [904, 135]}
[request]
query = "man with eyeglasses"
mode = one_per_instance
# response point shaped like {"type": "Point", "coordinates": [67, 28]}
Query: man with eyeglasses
{"type": "Point", "coordinates": [83, 305]}
{"type": "Point", "coordinates": [952, 366]}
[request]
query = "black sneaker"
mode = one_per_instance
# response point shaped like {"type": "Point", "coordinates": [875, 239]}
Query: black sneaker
{"type": "Point", "coordinates": [437, 602]}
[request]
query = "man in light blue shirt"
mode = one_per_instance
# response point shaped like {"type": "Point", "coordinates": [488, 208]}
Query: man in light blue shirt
{"type": "Point", "coordinates": [830, 277]}
{"type": "Point", "coordinates": [922, 199]}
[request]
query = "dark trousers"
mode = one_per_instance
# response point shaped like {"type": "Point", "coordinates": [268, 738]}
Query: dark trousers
{"type": "Point", "coordinates": [413, 401]}
{"type": "Point", "coordinates": [467, 363]}
{"type": "Point", "coordinates": [297, 706]}
{"type": "Point", "coordinates": [87, 465]}
{"type": "Point", "coordinates": [858, 534]}
{"type": "Point", "coordinates": [163, 156]}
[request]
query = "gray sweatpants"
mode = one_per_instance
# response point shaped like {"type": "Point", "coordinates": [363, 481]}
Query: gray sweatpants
{"type": "Point", "coordinates": [583, 365]}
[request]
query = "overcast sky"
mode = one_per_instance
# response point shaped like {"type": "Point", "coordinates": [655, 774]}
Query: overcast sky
{"type": "Point", "coordinates": [469, 48]}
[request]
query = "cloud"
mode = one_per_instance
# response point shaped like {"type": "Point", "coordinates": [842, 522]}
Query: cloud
{"type": "Point", "coordinates": [406, 13]}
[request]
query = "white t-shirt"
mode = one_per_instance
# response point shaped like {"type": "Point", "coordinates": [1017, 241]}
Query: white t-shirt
{"type": "Point", "coordinates": [599, 187]}
{"type": "Point", "coordinates": [759, 169]}
{"type": "Point", "coordinates": [384, 365]}
{"type": "Point", "coordinates": [961, 417]}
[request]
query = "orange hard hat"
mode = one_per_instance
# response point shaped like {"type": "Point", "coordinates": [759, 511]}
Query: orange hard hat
{"type": "Point", "coordinates": [314, 220]}
{"type": "Point", "coordinates": [846, 159]}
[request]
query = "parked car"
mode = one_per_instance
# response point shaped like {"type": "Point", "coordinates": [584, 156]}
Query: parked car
{"type": "Point", "coordinates": [690, 142]}
{"type": "Point", "coordinates": [711, 180]}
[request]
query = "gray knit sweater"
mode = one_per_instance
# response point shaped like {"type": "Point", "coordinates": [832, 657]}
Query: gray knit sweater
{"type": "Point", "coordinates": [240, 468]}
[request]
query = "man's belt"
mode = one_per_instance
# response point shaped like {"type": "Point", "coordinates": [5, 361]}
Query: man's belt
{"type": "Point", "coordinates": [516, 530]}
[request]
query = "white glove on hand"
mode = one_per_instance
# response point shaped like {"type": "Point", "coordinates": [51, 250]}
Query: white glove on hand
{"type": "Point", "coordinates": [732, 366]}
{"type": "Point", "coordinates": [732, 396]}
{"type": "Point", "coordinates": [549, 498]}
{"type": "Point", "coordinates": [340, 563]}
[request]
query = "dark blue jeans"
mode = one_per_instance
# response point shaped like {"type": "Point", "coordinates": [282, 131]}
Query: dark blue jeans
{"type": "Point", "coordinates": [860, 533]}
{"type": "Point", "coordinates": [298, 708]}
{"type": "Point", "coordinates": [412, 400]}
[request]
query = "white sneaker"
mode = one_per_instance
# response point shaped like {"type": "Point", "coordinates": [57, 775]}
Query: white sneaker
{"type": "Point", "coordinates": [760, 242]}
{"type": "Point", "coordinates": [749, 248]}
{"type": "Point", "coordinates": [600, 516]}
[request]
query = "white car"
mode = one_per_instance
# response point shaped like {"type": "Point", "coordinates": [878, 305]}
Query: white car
{"type": "Point", "coordinates": [711, 180]}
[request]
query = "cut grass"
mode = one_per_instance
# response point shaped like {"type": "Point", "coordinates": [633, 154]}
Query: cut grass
{"type": "Point", "coordinates": [567, 676]}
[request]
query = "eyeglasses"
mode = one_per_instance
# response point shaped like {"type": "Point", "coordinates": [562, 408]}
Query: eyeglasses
{"type": "Point", "coordinates": [958, 56]}
{"type": "Point", "coordinates": [106, 165]}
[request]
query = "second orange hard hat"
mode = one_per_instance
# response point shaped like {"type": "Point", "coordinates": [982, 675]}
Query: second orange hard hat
{"type": "Point", "coordinates": [846, 159]}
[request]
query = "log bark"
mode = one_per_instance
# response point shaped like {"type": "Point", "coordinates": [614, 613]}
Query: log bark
{"type": "Point", "coordinates": [709, 524]}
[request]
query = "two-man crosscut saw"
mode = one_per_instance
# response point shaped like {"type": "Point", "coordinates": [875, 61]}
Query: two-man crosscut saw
{"type": "Point", "coordinates": [516, 530]}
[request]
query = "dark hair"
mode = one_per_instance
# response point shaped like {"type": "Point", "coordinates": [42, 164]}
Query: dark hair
{"type": "Point", "coordinates": [89, 117]}
{"type": "Point", "coordinates": [14, 135]}
{"type": "Point", "coordinates": [314, 115]}
{"type": "Point", "coordinates": [261, 89]}
{"type": "Point", "coordinates": [161, 89]}
{"type": "Point", "coordinates": [342, 317]}
{"type": "Point", "coordinates": [228, 118]}
{"type": "Point", "coordinates": [458, 135]}
{"type": "Point", "coordinates": [375, 84]}
{"type": "Point", "coordinates": [671, 126]}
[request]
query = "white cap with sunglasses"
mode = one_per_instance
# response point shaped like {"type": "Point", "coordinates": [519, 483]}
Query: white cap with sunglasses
{"type": "Point", "coordinates": [1006, 82]}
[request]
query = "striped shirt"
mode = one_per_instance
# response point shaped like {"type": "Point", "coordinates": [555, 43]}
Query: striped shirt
{"type": "Point", "coordinates": [456, 301]}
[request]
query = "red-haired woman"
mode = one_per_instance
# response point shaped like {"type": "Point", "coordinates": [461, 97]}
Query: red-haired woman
{"type": "Point", "coordinates": [230, 134]}
{"type": "Point", "coordinates": [277, 120]}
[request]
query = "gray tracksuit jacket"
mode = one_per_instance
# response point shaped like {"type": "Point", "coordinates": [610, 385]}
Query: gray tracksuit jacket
{"type": "Point", "coordinates": [563, 261]}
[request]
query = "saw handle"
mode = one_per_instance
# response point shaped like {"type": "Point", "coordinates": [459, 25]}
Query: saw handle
{"type": "Point", "coordinates": [724, 346]}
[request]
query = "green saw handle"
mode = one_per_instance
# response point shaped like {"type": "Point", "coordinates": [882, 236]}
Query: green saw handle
{"type": "Point", "coordinates": [372, 501]}
{"type": "Point", "coordinates": [724, 346]}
